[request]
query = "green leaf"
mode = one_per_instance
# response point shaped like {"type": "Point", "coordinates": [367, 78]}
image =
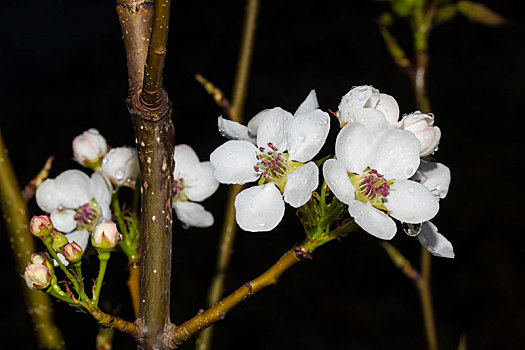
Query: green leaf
{"type": "Point", "coordinates": [446, 13]}
{"type": "Point", "coordinates": [481, 14]}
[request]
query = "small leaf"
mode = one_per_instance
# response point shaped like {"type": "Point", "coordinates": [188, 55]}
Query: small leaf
{"type": "Point", "coordinates": [446, 13]}
{"type": "Point", "coordinates": [481, 14]}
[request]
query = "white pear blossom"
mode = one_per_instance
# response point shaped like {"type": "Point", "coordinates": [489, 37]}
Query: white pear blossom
{"type": "Point", "coordinates": [121, 166]}
{"type": "Point", "coordinates": [89, 148]}
{"type": "Point", "coordinates": [364, 104]}
{"type": "Point", "coordinates": [280, 160]}
{"type": "Point", "coordinates": [371, 175]}
{"type": "Point", "coordinates": [422, 125]}
{"type": "Point", "coordinates": [193, 181]}
{"type": "Point", "coordinates": [436, 177]}
{"type": "Point", "coordinates": [76, 203]}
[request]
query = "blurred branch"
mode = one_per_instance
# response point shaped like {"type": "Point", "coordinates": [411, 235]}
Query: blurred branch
{"type": "Point", "coordinates": [29, 190]}
{"type": "Point", "coordinates": [15, 215]}
{"type": "Point", "coordinates": [229, 227]}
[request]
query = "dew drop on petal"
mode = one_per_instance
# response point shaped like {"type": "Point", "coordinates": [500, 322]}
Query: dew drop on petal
{"type": "Point", "coordinates": [185, 226]}
{"type": "Point", "coordinates": [119, 175]}
{"type": "Point", "coordinates": [409, 171]}
{"type": "Point", "coordinates": [411, 230]}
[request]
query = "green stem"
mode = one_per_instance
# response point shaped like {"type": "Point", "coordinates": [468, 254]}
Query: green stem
{"type": "Point", "coordinates": [76, 286]}
{"type": "Point", "coordinates": [103, 258]}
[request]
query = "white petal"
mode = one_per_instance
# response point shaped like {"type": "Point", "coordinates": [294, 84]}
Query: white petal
{"type": "Point", "coordinates": [233, 162]}
{"type": "Point", "coordinates": [337, 179]}
{"type": "Point", "coordinates": [435, 242]}
{"type": "Point", "coordinates": [121, 165]}
{"type": "Point", "coordinates": [63, 220]}
{"type": "Point", "coordinates": [358, 96]}
{"type": "Point", "coordinates": [353, 147]}
{"type": "Point", "coordinates": [397, 154]}
{"type": "Point", "coordinates": [201, 184]}
{"type": "Point", "coordinates": [309, 104]}
{"type": "Point", "coordinates": [300, 184]}
{"type": "Point", "coordinates": [259, 208]}
{"type": "Point", "coordinates": [411, 202]}
{"type": "Point", "coordinates": [46, 196]}
{"type": "Point", "coordinates": [102, 191]}
{"type": "Point", "coordinates": [185, 159]}
{"type": "Point", "coordinates": [193, 214]}
{"type": "Point", "coordinates": [273, 128]}
{"type": "Point", "coordinates": [232, 130]}
{"type": "Point", "coordinates": [306, 134]}
{"type": "Point", "coordinates": [73, 188]}
{"type": "Point", "coordinates": [388, 105]}
{"type": "Point", "coordinates": [435, 177]}
{"type": "Point", "coordinates": [253, 124]}
{"type": "Point", "coordinates": [372, 220]}
{"type": "Point", "coordinates": [373, 119]}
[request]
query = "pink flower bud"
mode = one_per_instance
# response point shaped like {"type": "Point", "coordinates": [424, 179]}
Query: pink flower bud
{"type": "Point", "coordinates": [38, 258]}
{"type": "Point", "coordinates": [105, 235]}
{"type": "Point", "coordinates": [422, 125]}
{"type": "Point", "coordinates": [41, 226]}
{"type": "Point", "coordinates": [37, 276]}
{"type": "Point", "coordinates": [72, 252]}
{"type": "Point", "coordinates": [89, 147]}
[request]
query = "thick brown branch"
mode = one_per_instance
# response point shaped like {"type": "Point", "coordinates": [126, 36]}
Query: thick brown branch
{"type": "Point", "coordinates": [117, 323]}
{"type": "Point", "coordinates": [206, 318]}
{"type": "Point", "coordinates": [152, 87]}
{"type": "Point", "coordinates": [15, 216]}
{"type": "Point", "coordinates": [135, 18]}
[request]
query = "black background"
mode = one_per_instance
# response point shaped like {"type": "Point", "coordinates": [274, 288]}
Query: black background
{"type": "Point", "coordinates": [63, 71]}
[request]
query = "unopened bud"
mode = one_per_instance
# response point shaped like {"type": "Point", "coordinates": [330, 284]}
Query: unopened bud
{"type": "Point", "coordinates": [105, 235]}
{"type": "Point", "coordinates": [37, 276]}
{"type": "Point", "coordinates": [422, 125]}
{"type": "Point", "coordinates": [41, 226]}
{"type": "Point", "coordinates": [72, 252]}
{"type": "Point", "coordinates": [38, 258]}
{"type": "Point", "coordinates": [89, 148]}
{"type": "Point", "coordinates": [59, 240]}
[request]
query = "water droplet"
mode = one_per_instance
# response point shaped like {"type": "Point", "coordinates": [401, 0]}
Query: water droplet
{"type": "Point", "coordinates": [185, 225]}
{"type": "Point", "coordinates": [119, 175]}
{"type": "Point", "coordinates": [409, 170]}
{"type": "Point", "coordinates": [411, 230]}
{"type": "Point", "coordinates": [411, 189]}
{"type": "Point", "coordinates": [300, 138]}
{"type": "Point", "coordinates": [262, 224]}
{"type": "Point", "coordinates": [361, 96]}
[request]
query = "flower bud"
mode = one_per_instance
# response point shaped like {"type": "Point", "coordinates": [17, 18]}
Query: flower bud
{"type": "Point", "coordinates": [89, 148]}
{"type": "Point", "coordinates": [37, 276]}
{"type": "Point", "coordinates": [72, 252]}
{"type": "Point", "coordinates": [422, 125]}
{"type": "Point", "coordinates": [105, 235]}
{"type": "Point", "coordinates": [41, 226]}
{"type": "Point", "coordinates": [38, 258]}
{"type": "Point", "coordinates": [121, 166]}
{"type": "Point", "coordinates": [59, 240]}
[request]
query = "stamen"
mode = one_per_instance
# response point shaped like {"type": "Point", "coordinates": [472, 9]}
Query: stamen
{"type": "Point", "coordinates": [85, 214]}
{"type": "Point", "coordinates": [272, 163]}
{"type": "Point", "coordinates": [178, 186]}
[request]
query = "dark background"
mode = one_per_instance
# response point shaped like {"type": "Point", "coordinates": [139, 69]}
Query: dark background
{"type": "Point", "coordinates": [63, 71]}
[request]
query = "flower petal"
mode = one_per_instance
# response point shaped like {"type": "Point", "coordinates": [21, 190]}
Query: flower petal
{"type": "Point", "coordinates": [306, 134]}
{"type": "Point", "coordinates": [372, 220]}
{"type": "Point", "coordinates": [373, 119]}
{"type": "Point", "coordinates": [336, 177]}
{"type": "Point", "coordinates": [411, 202]}
{"type": "Point", "coordinates": [259, 208]}
{"type": "Point", "coordinates": [102, 191]}
{"type": "Point", "coordinates": [435, 177]}
{"type": "Point", "coordinates": [233, 130]}
{"type": "Point", "coordinates": [435, 242]}
{"type": "Point", "coordinates": [193, 214]}
{"type": "Point", "coordinates": [46, 196]}
{"type": "Point", "coordinates": [397, 154]}
{"type": "Point", "coordinates": [273, 128]}
{"type": "Point", "coordinates": [64, 220]}
{"type": "Point", "coordinates": [358, 96]}
{"type": "Point", "coordinates": [300, 184]}
{"type": "Point", "coordinates": [253, 124]}
{"type": "Point", "coordinates": [201, 184]}
{"type": "Point", "coordinates": [309, 104]}
{"type": "Point", "coordinates": [80, 236]}
{"type": "Point", "coordinates": [185, 159]}
{"type": "Point", "coordinates": [353, 147]}
{"type": "Point", "coordinates": [233, 162]}
{"type": "Point", "coordinates": [73, 188]}
{"type": "Point", "coordinates": [388, 105]}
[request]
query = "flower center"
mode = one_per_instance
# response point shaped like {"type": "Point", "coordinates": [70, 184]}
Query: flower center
{"type": "Point", "coordinates": [371, 187]}
{"type": "Point", "coordinates": [272, 164]}
{"type": "Point", "coordinates": [178, 190]}
{"type": "Point", "coordinates": [86, 215]}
